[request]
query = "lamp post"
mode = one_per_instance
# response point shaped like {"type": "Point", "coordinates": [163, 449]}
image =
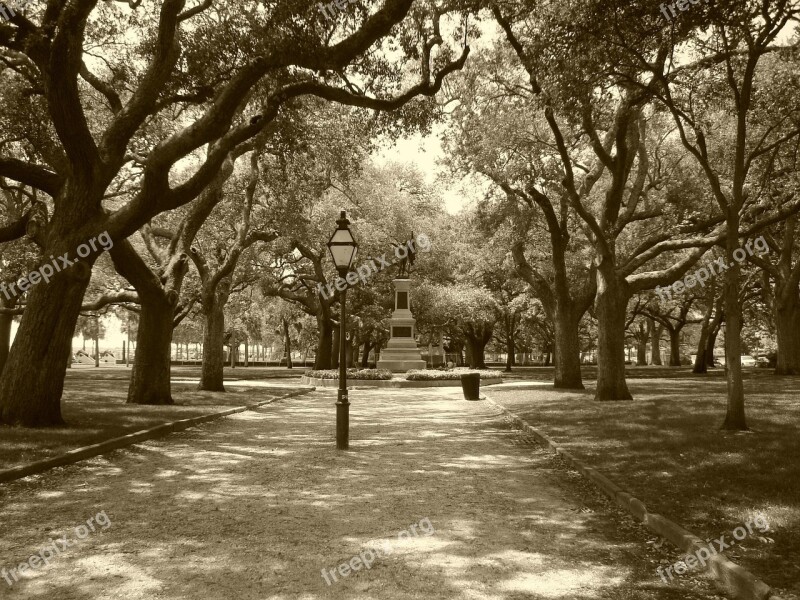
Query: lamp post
{"type": "Point", "coordinates": [343, 249]}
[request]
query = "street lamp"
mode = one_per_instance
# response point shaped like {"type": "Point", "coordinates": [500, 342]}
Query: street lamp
{"type": "Point", "coordinates": [343, 249]}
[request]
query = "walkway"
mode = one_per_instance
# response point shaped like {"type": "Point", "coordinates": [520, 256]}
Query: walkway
{"type": "Point", "coordinates": [257, 505]}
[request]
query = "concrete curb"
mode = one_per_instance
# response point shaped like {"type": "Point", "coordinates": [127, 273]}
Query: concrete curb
{"type": "Point", "coordinates": [729, 576]}
{"type": "Point", "coordinates": [79, 454]}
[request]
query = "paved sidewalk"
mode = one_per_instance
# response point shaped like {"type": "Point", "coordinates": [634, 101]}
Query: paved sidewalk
{"type": "Point", "coordinates": [257, 505]}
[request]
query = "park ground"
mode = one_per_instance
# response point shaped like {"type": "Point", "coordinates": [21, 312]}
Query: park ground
{"type": "Point", "coordinates": [95, 410]}
{"type": "Point", "coordinates": [666, 448]}
{"type": "Point", "coordinates": [255, 505]}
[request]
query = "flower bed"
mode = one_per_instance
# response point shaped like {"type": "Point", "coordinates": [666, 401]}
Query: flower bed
{"type": "Point", "coordinates": [453, 375]}
{"type": "Point", "coordinates": [365, 374]}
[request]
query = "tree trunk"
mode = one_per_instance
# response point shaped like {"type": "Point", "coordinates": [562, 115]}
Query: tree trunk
{"type": "Point", "coordinates": [711, 343]}
{"type": "Point", "coordinates": [735, 416]}
{"type": "Point", "coordinates": [787, 325]}
{"type": "Point", "coordinates": [5, 330]}
{"type": "Point", "coordinates": [700, 361]}
{"type": "Point", "coordinates": [641, 352]}
{"type": "Point", "coordinates": [287, 340]}
{"type": "Point", "coordinates": [675, 347]}
{"type": "Point", "coordinates": [509, 352]}
{"type": "Point", "coordinates": [564, 309]}
{"type": "Point", "coordinates": [714, 325]}
{"type": "Point", "coordinates": [212, 373]}
{"type": "Point", "coordinates": [324, 359]}
{"type": "Point", "coordinates": [477, 347]}
{"type": "Point", "coordinates": [656, 329]}
{"type": "Point", "coordinates": [350, 354]}
{"type": "Point", "coordinates": [96, 348]}
{"type": "Point", "coordinates": [365, 356]}
{"type": "Point", "coordinates": [335, 348]}
{"type": "Point", "coordinates": [33, 378]}
{"type": "Point", "coordinates": [567, 347]}
{"type": "Point", "coordinates": [150, 382]}
{"type": "Point", "coordinates": [610, 307]}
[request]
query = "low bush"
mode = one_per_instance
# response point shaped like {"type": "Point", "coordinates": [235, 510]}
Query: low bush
{"type": "Point", "coordinates": [455, 374]}
{"type": "Point", "coordinates": [369, 374]}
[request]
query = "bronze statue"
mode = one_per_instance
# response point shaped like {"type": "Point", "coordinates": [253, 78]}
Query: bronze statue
{"type": "Point", "coordinates": [408, 260]}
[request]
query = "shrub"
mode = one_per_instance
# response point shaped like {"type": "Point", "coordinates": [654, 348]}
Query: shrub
{"type": "Point", "coordinates": [454, 375]}
{"type": "Point", "coordinates": [369, 374]}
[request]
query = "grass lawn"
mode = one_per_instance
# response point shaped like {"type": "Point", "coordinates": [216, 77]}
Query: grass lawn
{"type": "Point", "coordinates": [178, 372]}
{"type": "Point", "coordinates": [666, 448]}
{"type": "Point", "coordinates": [94, 408]}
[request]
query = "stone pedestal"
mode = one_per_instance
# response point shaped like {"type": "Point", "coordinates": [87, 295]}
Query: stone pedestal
{"type": "Point", "coordinates": [402, 354]}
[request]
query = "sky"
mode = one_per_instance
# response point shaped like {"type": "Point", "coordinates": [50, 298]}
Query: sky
{"type": "Point", "coordinates": [425, 153]}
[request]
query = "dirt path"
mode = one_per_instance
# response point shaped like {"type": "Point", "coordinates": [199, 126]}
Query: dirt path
{"type": "Point", "coordinates": [257, 505]}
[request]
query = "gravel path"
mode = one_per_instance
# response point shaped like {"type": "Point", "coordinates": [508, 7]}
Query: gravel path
{"type": "Point", "coordinates": [455, 503]}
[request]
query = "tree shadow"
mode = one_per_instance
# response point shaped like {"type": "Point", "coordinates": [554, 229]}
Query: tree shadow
{"type": "Point", "coordinates": [258, 505]}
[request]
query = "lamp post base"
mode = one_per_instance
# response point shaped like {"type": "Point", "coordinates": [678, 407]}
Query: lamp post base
{"type": "Point", "coordinates": [342, 421]}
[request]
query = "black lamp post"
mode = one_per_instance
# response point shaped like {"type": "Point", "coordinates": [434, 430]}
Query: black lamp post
{"type": "Point", "coordinates": [343, 249]}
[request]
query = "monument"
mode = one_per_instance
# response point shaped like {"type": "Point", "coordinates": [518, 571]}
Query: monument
{"type": "Point", "coordinates": [401, 353]}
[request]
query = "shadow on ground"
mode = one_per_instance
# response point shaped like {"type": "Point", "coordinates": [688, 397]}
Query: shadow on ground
{"type": "Point", "coordinates": [256, 506]}
{"type": "Point", "coordinates": [95, 410]}
{"type": "Point", "coordinates": [666, 447]}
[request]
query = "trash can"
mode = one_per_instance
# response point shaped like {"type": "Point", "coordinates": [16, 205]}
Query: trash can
{"type": "Point", "coordinates": [471, 386]}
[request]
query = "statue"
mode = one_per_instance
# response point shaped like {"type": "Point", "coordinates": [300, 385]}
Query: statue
{"type": "Point", "coordinates": [408, 261]}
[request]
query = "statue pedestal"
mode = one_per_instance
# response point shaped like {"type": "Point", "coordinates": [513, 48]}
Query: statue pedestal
{"type": "Point", "coordinates": [401, 353]}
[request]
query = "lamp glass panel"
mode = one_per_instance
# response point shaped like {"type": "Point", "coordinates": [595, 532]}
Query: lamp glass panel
{"type": "Point", "coordinates": [342, 236]}
{"type": "Point", "coordinates": [342, 255]}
